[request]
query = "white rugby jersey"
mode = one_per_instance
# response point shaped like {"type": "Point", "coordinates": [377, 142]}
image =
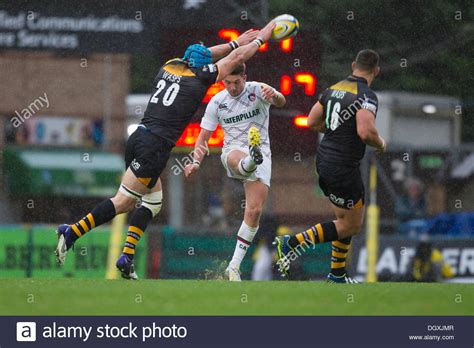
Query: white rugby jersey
{"type": "Point", "coordinates": [237, 114]}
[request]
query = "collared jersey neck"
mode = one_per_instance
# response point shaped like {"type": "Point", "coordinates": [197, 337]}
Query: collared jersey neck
{"type": "Point", "coordinates": [357, 78]}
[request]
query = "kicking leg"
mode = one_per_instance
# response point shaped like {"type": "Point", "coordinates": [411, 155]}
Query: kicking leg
{"type": "Point", "coordinates": [255, 195]}
{"type": "Point", "coordinates": [245, 164]}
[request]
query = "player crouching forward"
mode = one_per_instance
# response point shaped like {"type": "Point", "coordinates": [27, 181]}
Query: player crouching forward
{"type": "Point", "coordinates": [242, 110]}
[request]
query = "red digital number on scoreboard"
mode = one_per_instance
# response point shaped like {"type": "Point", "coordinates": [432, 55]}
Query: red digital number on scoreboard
{"type": "Point", "coordinates": [307, 79]}
{"type": "Point", "coordinates": [191, 133]}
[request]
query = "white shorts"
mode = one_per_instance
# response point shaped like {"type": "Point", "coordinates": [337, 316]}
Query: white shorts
{"type": "Point", "coordinates": [263, 172]}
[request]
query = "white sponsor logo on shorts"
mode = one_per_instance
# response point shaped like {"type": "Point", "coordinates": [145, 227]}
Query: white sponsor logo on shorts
{"type": "Point", "coordinates": [135, 165]}
{"type": "Point", "coordinates": [336, 200]}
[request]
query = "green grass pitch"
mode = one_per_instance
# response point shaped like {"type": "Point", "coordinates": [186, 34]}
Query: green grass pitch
{"type": "Point", "coordinates": [201, 297]}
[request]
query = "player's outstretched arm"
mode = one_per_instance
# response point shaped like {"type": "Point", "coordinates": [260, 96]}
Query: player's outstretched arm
{"type": "Point", "coordinates": [220, 51]}
{"type": "Point", "coordinates": [316, 118]}
{"type": "Point", "coordinates": [367, 131]}
{"type": "Point", "coordinates": [272, 96]}
{"type": "Point", "coordinates": [243, 53]}
{"type": "Point", "coordinates": [200, 151]}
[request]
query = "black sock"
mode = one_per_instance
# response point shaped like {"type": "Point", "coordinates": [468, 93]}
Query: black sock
{"type": "Point", "coordinates": [102, 213]}
{"type": "Point", "coordinates": [320, 233]}
{"type": "Point", "coordinates": [138, 223]}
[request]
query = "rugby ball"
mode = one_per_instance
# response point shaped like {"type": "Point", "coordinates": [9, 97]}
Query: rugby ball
{"type": "Point", "coordinates": [286, 26]}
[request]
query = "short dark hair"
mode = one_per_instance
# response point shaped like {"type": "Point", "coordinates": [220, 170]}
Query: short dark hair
{"type": "Point", "coordinates": [239, 70]}
{"type": "Point", "coordinates": [367, 60]}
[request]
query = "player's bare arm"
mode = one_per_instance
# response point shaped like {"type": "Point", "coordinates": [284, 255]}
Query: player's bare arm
{"type": "Point", "coordinates": [220, 51]}
{"type": "Point", "coordinates": [244, 53]}
{"type": "Point", "coordinates": [272, 96]}
{"type": "Point", "coordinates": [199, 153]}
{"type": "Point", "coordinates": [316, 118]}
{"type": "Point", "coordinates": [367, 131]}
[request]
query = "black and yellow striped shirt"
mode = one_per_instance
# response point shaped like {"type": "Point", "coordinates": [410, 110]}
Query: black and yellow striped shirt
{"type": "Point", "coordinates": [178, 91]}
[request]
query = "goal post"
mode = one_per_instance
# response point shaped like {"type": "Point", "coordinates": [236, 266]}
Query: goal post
{"type": "Point", "coordinates": [372, 226]}
{"type": "Point", "coordinates": [115, 243]}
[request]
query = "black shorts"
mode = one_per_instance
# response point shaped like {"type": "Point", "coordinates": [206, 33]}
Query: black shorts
{"type": "Point", "coordinates": [147, 154]}
{"type": "Point", "coordinates": [342, 184]}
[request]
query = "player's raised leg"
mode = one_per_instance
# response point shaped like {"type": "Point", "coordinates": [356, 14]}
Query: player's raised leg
{"type": "Point", "coordinates": [130, 190]}
{"type": "Point", "coordinates": [255, 196]}
{"type": "Point", "coordinates": [150, 207]}
{"type": "Point", "coordinates": [243, 163]}
{"type": "Point", "coordinates": [255, 153]}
